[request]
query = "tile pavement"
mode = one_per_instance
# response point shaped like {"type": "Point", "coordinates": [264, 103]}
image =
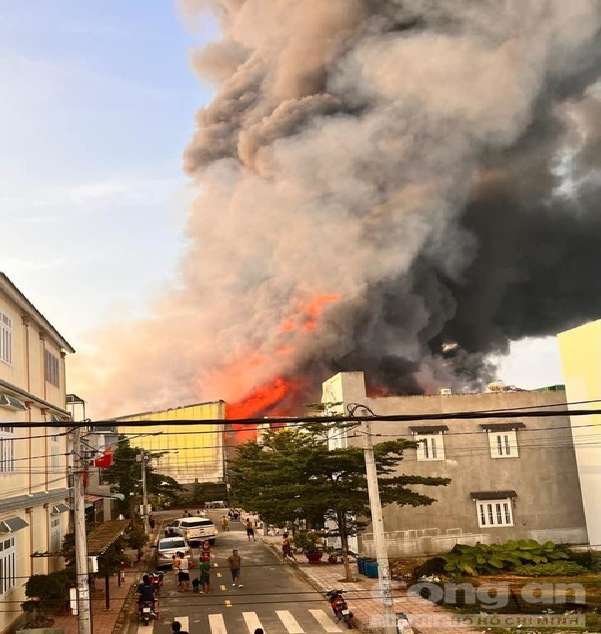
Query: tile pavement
{"type": "Point", "coordinates": [364, 598]}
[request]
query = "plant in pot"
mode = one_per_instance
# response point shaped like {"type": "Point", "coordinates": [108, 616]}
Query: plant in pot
{"type": "Point", "coordinates": [310, 543]}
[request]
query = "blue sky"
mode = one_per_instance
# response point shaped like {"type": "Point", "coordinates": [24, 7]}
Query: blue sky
{"type": "Point", "coordinates": [98, 104]}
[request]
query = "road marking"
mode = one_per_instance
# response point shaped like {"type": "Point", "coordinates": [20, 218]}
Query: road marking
{"type": "Point", "coordinates": [290, 623]}
{"type": "Point", "coordinates": [219, 574]}
{"type": "Point", "coordinates": [252, 621]}
{"type": "Point", "coordinates": [185, 621]}
{"type": "Point", "coordinates": [324, 620]}
{"type": "Point", "coordinates": [149, 629]}
{"type": "Point", "coordinates": [216, 624]}
{"type": "Point", "coordinates": [222, 588]}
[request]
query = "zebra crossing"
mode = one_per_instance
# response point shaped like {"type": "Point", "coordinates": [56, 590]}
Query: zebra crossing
{"type": "Point", "coordinates": [231, 621]}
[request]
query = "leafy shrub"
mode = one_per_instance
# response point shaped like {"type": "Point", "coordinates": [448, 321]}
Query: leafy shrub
{"type": "Point", "coordinates": [137, 537]}
{"type": "Point", "coordinates": [307, 542]}
{"type": "Point", "coordinates": [51, 590]}
{"type": "Point", "coordinates": [556, 569]}
{"type": "Point", "coordinates": [491, 559]}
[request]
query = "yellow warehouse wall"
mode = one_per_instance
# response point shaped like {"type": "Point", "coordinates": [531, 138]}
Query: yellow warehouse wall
{"type": "Point", "coordinates": [199, 448]}
{"type": "Point", "coordinates": [580, 350]}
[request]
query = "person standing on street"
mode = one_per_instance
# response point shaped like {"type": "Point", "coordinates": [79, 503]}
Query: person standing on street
{"type": "Point", "coordinates": [183, 572]}
{"type": "Point", "coordinates": [235, 563]}
{"type": "Point", "coordinates": [225, 523]}
{"type": "Point", "coordinates": [287, 548]}
{"type": "Point", "coordinates": [205, 577]}
{"type": "Point", "coordinates": [250, 531]}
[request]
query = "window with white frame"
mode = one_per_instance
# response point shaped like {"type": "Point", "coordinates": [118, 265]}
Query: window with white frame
{"type": "Point", "coordinates": [7, 449]}
{"type": "Point", "coordinates": [430, 446]}
{"type": "Point", "coordinates": [503, 444]}
{"type": "Point", "coordinates": [494, 513]}
{"type": "Point", "coordinates": [6, 339]}
{"type": "Point", "coordinates": [55, 534]}
{"type": "Point", "coordinates": [7, 564]}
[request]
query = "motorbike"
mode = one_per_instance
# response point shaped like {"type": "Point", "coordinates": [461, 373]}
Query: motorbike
{"type": "Point", "coordinates": [340, 607]}
{"type": "Point", "coordinates": [156, 578]}
{"type": "Point", "coordinates": [146, 613]}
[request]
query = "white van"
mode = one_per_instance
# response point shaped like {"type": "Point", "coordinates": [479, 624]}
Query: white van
{"type": "Point", "coordinates": [193, 529]}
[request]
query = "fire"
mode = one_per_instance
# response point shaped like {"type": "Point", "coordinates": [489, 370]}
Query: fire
{"type": "Point", "coordinates": [261, 400]}
{"type": "Point", "coordinates": [309, 314]}
{"type": "Point", "coordinates": [269, 398]}
{"type": "Point", "coordinates": [283, 395]}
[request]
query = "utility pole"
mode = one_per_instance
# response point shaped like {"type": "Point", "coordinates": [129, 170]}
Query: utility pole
{"type": "Point", "coordinates": [84, 614]}
{"type": "Point", "coordinates": [377, 521]}
{"type": "Point", "coordinates": [144, 494]}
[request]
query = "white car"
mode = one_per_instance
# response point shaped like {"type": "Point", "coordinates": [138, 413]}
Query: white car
{"type": "Point", "coordinates": [168, 547]}
{"type": "Point", "coordinates": [194, 529]}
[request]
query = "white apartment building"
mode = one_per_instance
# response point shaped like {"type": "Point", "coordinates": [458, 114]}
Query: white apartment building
{"type": "Point", "coordinates": [34, 486]}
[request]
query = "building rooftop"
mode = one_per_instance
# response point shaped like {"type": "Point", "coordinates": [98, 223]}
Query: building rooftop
{"type": "Point", "coordinates": [17, 296]}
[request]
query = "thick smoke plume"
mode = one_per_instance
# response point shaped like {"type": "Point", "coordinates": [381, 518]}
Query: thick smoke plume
{"type": "Point", "coordinates": [427, 166]}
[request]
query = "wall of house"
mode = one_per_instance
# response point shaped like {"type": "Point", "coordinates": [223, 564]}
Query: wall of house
{"type": "Point", "coordinates": [544, 475]}
{"type": "Point", "coordinates": [36, 480]}
{"type": "Point", "coordinates": [580, 350]}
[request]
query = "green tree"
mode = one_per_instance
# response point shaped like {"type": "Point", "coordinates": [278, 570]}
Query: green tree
{"type": "Point", "coordinates": [125, 475]}
{"type": "Point", "coordinates": [293, 474]}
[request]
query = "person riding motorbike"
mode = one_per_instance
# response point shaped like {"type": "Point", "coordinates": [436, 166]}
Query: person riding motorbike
{"type": "Point", "coordinates": [147, 592]}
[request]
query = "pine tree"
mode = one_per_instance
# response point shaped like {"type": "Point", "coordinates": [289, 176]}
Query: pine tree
{"type": "Point", "coordinates": [293, 474]}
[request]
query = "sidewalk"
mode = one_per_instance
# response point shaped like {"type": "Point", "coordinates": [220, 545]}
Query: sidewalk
{"type": "Point", "coordinates": [116, 618]}
{"type": "Point", "coordinates": [364, 598]}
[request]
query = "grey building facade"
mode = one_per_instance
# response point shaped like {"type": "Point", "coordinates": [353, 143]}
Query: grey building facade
{"type": "Point", "coordinates": [510, 478]}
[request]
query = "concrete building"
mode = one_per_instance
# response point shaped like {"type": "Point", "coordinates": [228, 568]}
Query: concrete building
{"type": "Point", "coordinates": [34, 489]}
{"type": "Point", "coordinates": [510, 479]}
{"type": "Point", "coordinates": [580, 350]}
{"type": "Point", "coordinates": [193, 453]}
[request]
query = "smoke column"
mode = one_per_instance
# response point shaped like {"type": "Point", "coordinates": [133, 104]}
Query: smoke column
{"type": "Point", "coordinates": [378, 178]}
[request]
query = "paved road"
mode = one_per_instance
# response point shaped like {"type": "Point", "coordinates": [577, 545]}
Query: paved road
{"type": "Point", "coordinates": [273, 597]}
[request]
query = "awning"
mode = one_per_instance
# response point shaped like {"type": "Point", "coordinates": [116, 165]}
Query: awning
{"type": "Point", "coordinates": [89, 500]}
{"type": "Point", "coordinates": [105, 535]}
{"type": "Point", "coordinates": [57, 509]}
{"type": "Point", "coordinates": [492, 495]}
{"type": "Point", "coordinates": [10, 402]}
{"type": "Point", "coordinates": [12, 525]}
{"type": "Point", "coordinates": [509, 426]}
{"type": "Point", "coordinates": [429, 429]}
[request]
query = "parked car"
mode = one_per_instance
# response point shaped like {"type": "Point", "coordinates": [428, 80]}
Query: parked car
{"type": "Point", "coordinates": [169, 546]}
{"type": "Point", "coordinates": [194, 529]}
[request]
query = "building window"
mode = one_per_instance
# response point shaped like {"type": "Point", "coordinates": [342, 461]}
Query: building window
{"type": "Point", "coordinates": [503, 444]}
{"type": "Point", "coordinates": [430, 447]}
{"type": "Point", "coordinates": [55, 447]}
{"type": "Point", "coordinates": [6, 339]}
{"type": "Point", "coordinates": [55, 534]}
{"type": "Point", "coordinates": [494, 513]}
{"type": "Point", "coordinates": [7, 450]}
{"type": "Point", "coordinates": [7, 565]}
{"type": "Point", "coordinates": [51, 369]}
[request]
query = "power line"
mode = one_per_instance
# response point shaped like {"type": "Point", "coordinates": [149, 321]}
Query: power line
{"type": "Point", "coordinates": [522, 412]}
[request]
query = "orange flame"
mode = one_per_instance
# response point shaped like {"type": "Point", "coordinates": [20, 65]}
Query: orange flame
{"type": "Point", "coordinates": [281, 396]}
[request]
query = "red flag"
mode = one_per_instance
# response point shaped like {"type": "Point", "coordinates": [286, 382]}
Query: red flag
{"type": "Point", "coordinates": [106, 460]}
